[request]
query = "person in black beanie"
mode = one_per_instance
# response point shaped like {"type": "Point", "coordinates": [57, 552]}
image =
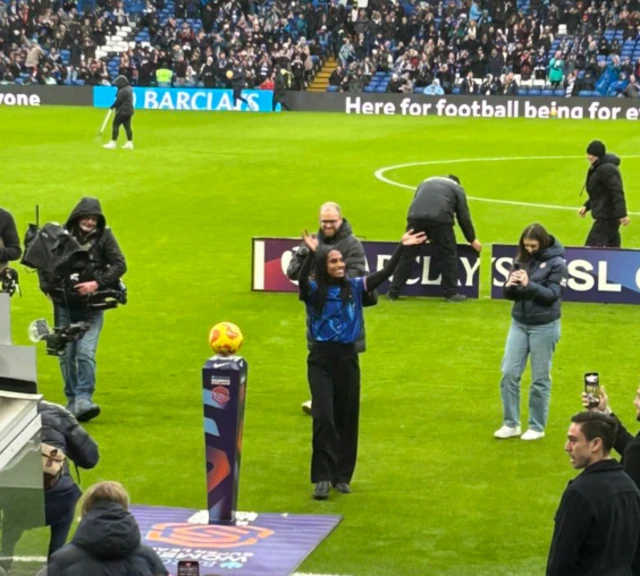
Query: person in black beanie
{"type": "Point", "coordinates": [606, 198]}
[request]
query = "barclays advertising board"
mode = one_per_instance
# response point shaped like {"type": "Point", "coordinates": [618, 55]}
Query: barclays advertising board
{"type": "Point", "coordinates": [196, 99]}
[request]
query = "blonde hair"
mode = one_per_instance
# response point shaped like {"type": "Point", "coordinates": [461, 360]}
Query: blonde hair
{"type": "Point", "coordinates": [104, 492]}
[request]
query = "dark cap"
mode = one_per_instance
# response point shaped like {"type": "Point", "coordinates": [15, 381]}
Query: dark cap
{"type": "Point", "coordinates": [454, 178]}
{"type": "Point", "coordinates": [596, 148]}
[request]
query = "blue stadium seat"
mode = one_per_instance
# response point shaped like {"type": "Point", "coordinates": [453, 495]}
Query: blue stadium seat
{"type": "Point", "coordinates": [456, 90]}
{"type": "Point", "coordinates": [332, 88]}
{"type": "Point", "coordinates": [522, 91]}
{"type": "Point", "coordinates": [381, 89]}
{"type": "Point", "coordinates": [534, 92]}
{"type": "Point", "coordinates": [368, 89]}
{"type": "Point", "coordinates": [585, 93]}
{"type": "Point", "coordinates": [558, 92]}
{"type": "Point", "coordinates": [547, 92]}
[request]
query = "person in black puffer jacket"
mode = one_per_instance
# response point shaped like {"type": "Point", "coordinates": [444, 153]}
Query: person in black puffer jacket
{"type": "Point", "coordinates": [61, 430]}
{"type": "Point", "coordinates": [535, 285]}
{"type": "Point", "coordinates": [606, 198]}
{"type": "Point", "coordinates": [124, 113]}
{"type": "Point", "coordinates": [107, 540]}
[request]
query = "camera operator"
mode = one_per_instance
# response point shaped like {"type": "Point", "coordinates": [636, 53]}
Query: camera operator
{"type": "Point", "coordinates": [9, 240]}
{"type": "Point", "coordinates": [60, 430]}
{"type": "Point", "coordinates": [627, 445]}
{"type": "Point", "coordinates": [76, 299]}
{"type": "Point", "coordinates": [606, 198]}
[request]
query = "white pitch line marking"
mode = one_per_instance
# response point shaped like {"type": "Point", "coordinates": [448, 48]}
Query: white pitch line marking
{"type": "Point", "coordinates": [380, 175]}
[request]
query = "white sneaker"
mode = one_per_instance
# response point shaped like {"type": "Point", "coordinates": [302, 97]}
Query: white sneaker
{"type": "Point", "coordinates": [306, 407]}
{"type": "Point", "coordinates": [128, 146]}
{"type": "Point", "coordinates": [532, 435]}
{"type": "Point", "coordinates": [507, 432]}
{"type": "Point", "coordinates": [110, 145]}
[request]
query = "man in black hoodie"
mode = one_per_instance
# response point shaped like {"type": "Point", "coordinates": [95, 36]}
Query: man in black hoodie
{"type": "Point", "coordinates": [238, 83]}
{"type": "Point", "coordinates": [124, 113]}
{"type": "Point", "coordinates": [74, 301]}
{"type": "Point", "coordinates": [606, 198]}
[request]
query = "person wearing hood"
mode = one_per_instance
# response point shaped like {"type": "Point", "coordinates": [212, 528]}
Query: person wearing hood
{"type": "Point", "coordinates": [335, 231]}
{"type": "Point", "coordinates": [124, 113]}
{"type": "Point", "coordinates": [9, 240]}
{"type": "Point", "coordinates": [72, 298]}
{"type": "Point", "coordinates": [535, 284]}
{"type": "Point", "coordinates": [107, 541]}
{"type": "Point", "coordinates": [606, 198]}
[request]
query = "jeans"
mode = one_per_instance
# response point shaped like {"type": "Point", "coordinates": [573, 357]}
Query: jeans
{"type": "Point", "coordinates": [78, 364]}
{"type": "Point", "coordinates": [522, 341]}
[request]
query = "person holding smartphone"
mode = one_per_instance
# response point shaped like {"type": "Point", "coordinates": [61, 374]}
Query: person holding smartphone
{"type": "Point", "coordinates": [334, 304]}
{"type": "Point", "coordinates": [535, 285]}
{"type": "Point", "coordinates": [625, 444]}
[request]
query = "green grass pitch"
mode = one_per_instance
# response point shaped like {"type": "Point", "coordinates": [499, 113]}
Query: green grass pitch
{"type": "Point", "coordinates": [434, 493]}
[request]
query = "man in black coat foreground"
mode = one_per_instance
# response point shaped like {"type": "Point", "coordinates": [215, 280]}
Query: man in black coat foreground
{"type": "Point", "coordinates": [606, 198]}
{"type": "Point", "coordinates": [124, 113]}
{"type": "Point", "coordinates": [9, 250]}
{"type": "Point", "coordinates": [627, 445]}
{"type": "Point", "coordinates": [437, 203]}
{"type": "Point", "coordinates": [598, 522]}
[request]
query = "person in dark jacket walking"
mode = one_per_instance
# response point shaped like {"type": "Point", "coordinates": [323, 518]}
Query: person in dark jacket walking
{"type": "Point", "coordinates": [107, 541]}
{"type": "Point", "coordinates": [627, 445]}
{"type": "Point", "coordinates": [238, 83]}
{"type": "Point", "coordinates": [598, 521]}
{"type": "Point", "coordinates": [74, 300]}
{"type": "Point", "coordinates": [334, 304]}
{"type": "Point", "coordinates": [335, 231]}
{"type": "Point", "coordinates": [435, 206]}
{"type": "Point", "coordinates": [606, 198]}
{"type": "Point", "coordinates": [61, 430]}
{"type": "Point", "coordinates": [123, 106]}
{"type": "Point", "coordinates": [535, 285]}
{"type": "Point", "coordinates": [280, 90]}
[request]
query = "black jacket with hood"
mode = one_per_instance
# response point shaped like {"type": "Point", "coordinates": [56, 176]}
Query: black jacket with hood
{"type": "Point", "coordinates": [124, 99]}
{"type": "Point", "coordinates": [604, 187]}
{"type": "Point", "coordinates": [9, 240]}
{"type": "Point", "coordinates": [106, 262]}
{"type": "Point", "coordinates": [106, 543]}
{"type": "Point", "coordinates": [539, 301]}
{"type": "Point", "coordinates": [355, 262]}
{"type": "Point", "coordinates": [61, 430]}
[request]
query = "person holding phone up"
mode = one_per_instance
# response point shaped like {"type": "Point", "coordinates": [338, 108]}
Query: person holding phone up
{"type": "Point", "coordinates": [535, 285]}
{"type": "Point", "coordinates": [626, 444]}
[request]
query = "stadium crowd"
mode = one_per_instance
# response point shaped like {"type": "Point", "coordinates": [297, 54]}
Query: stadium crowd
{"type": "Point", "coordinates": [436, 46]}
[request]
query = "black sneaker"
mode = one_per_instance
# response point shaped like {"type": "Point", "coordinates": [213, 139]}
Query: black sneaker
{"type": "Point", "coordinates": [392, 296]}
{"type": "Point", "coordinates": [86, 410]}
{"type": "Point", "coordinates": [456, 298]}
{"type": "Point", "coordinates": [322, 491]}
{"type": "Point", "coordinates": [343, 487]}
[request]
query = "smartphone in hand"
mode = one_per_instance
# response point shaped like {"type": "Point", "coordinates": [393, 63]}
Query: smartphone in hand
{"type": "Point", "coordinates": [592, 388]}
{"type": "Point", "coordinates": [188, 568]}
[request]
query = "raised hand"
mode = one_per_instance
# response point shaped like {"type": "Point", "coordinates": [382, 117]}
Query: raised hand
{"type": "Point", "coordinates": [310, 240]}
{"type": "Point", "coordinates": [410, 238]}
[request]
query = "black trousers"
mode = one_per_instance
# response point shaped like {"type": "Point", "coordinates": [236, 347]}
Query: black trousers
{"type": "Point", "coordinates": [122, 120]}
{"type": "Point", "coordinates": [333, 371]}
{"type": "Point", "coordinates": [443, 239]}
{"type": "Point", "coordinates": [237, 95]}
{"type": "Point", "coordinates": [281, 101]}
{"type": "Point", "coordinates": [605, 234]}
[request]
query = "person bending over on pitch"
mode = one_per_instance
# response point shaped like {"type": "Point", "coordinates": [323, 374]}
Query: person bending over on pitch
{"type": "Point", "coordinates": [334, 311]}
{"type": "Point", "coordinates": [436, 205]}
{"type": "Point", "coordinates": [124, 113]}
